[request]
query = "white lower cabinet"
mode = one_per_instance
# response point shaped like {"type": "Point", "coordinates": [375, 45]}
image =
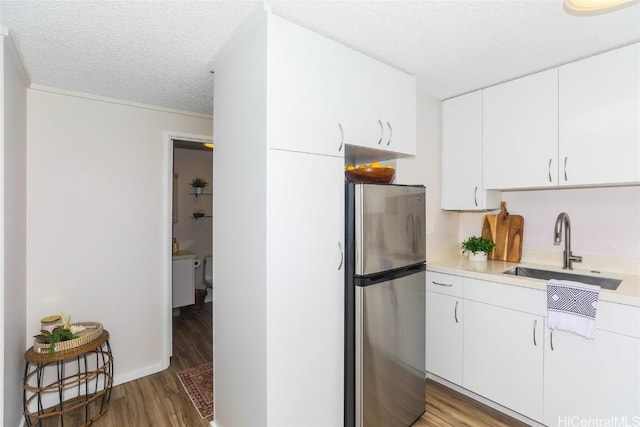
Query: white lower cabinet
{"type": "Point", "coordinates": [503, 357]}
{"type": "Point", "coordinates": [183, 282]}
{"type": "Point", "coordinates": [591, 379]}
{"type": "Point", "coordinates": [491, 338]}
{"type": "Point", "coordinates": [444, 311]}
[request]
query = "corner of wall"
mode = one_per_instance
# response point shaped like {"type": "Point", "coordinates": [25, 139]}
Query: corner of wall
{"type": "Point", "coordinates": [13, 219]}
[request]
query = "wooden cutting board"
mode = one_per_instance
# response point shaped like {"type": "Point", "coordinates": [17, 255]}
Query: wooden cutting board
{"type": "Point", "coordinates": [506, 231]}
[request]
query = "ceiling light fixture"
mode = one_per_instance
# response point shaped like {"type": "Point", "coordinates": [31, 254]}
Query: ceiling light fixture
{"type": "Point", "coordinates": [593, 7]}
{"type": "Point", "coordinates": [208, 144]}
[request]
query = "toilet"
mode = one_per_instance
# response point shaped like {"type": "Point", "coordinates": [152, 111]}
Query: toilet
{"type": "Point", "coordinates": [207, 272]}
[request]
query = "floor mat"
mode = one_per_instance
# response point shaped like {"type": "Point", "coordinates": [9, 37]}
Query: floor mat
{"type": "Point", "coordinates": [198, 383]}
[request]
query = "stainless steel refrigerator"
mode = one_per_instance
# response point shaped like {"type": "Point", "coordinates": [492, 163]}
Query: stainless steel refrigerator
{"type": "Point", "coordinates": [384, 305]}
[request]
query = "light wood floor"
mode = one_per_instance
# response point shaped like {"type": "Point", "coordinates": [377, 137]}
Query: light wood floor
{"type": "Point", "coordinates": [159, 400]}
{"type": "Point", "coordinates": [445, 407]}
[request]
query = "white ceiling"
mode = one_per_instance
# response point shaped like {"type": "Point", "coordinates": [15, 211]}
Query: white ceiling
{"type": "Point", "coordinates": [161, 52]}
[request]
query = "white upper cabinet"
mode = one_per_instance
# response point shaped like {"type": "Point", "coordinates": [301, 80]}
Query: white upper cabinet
{"type": "Point", "coordinates": [462, 187]}
{"type": "Point", "coordinates": [600, 119]}
{"type": "Point", "coordinates": [520, 134]}
{"type": "Point", "coordinates": [577, 125]}
{"type": "Point", "coordinates": [306, 90]}
{"type": "Point", "coordinates": [382, 106]}
{"type": "Point", "coordinates": [322, 95]}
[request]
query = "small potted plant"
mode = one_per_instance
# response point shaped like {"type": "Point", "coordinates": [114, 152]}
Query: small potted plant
{"type": "Point", "coordinates": [198, 184]}
{"type": "Point", "coordinates": [477, 248]}
{"type": "Point", "coordinates": [63, 332]}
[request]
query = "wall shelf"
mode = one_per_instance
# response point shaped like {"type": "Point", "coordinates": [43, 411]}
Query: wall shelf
{"type": "Point", "coordinates": [201, 194]}
{"type": "Point", "coordinates": [202, 216]}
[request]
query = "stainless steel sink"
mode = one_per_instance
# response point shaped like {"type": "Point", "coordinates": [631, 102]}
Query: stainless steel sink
{"type": "Point", "coordinates": [534, 273]}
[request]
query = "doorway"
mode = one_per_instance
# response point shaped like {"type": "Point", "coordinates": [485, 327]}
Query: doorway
{"type": "Point", "coordinates": [189, 219]}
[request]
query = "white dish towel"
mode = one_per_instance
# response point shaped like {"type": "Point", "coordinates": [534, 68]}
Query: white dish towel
{"type": "Point", "coordinates": [571, 306]}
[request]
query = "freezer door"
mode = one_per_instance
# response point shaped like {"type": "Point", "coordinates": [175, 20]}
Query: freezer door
{"type": "Point", "coordinates": [389, 227]}
{"type": "Point", "coordinates": [390, 350]}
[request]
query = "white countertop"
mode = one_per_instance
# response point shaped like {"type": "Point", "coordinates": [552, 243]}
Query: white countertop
{"type": "Point", "coordinates": [183, 254]}
{"type": "Point", "coordinates": [628, 291]}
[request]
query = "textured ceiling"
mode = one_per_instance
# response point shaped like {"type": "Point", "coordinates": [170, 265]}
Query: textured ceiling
{"type": "Point", "coordinates": [161, 52]}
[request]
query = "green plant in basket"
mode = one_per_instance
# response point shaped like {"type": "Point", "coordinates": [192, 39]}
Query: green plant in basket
{"type": "Point", "coordinates": [59, 334]}
{"type": "Point", "coordinates": [199, 182]}
{"type": "Point", "coordinates": [477, 244]}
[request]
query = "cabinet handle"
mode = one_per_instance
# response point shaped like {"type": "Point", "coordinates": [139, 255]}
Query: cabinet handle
{"type": "Point", "coordinates": [549, 170]}
{"type": "Point", "coordinates": [448, 285]}
{"type": "Point", "coordinates": [381, 131]}
{"type": "Point", "coordinates": [341, 255]}
{"type": "Point", "coordinates": [535, 324]}
{"type": "Point", "coordinates": [455, 312]}
{"type": "Point", "coordinates": [565, 168]}
{"type": "Point", "coordinates": [551, 339]}
{"type": "Point", "coordinates": [341, 137]}
{"type": "Point", "coordinates": [475, 196]}
{"type": "Point", "coordinates": [390, 133]}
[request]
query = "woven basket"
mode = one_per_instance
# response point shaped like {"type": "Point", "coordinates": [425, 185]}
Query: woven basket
{"type": "Point", "coordinates": [93, 331]}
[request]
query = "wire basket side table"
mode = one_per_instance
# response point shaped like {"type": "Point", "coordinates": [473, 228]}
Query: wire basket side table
{"type": "Point", "coordinates": [80, 387]}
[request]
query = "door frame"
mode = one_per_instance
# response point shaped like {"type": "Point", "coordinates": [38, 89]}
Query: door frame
{"type": "Point", "coordinates": [167, 232]}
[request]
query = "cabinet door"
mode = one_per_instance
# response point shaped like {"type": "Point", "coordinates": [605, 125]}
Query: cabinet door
{"type": "Point", "coordinates": [306, 90]}
{"type": "Point", "coordinates": [381, 106]}
{"type": "Point", "coordinates": [397, 110]}
{"type": "Point", "coordinates": [503, 355]}
{"type": "Point", "coordinates": [183, 283]}
{"type": "Point", "coordinates": [305, 289]}
{"type": "Point", "coordinates": [599, 119]}
{"type": "Point", "coordinates": [462, 187]}
{"type": "Point", "coordinates": [520, 132]}
{"type": "Point", "coordinates": [444, 336]}
{"type": "Point", "coordinates": [591, 379]}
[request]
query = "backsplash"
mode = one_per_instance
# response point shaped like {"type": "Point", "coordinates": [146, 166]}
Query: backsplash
{"type": "Point", "coordinates": [605, 225]}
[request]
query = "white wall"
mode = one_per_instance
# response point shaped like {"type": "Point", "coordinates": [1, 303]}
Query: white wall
{"type": "Point", "coordinates": [605, 225]}
{"type": "Point", "coordinates": [13, 234]}
{"type": "Point", "coordinates": [426, 168]}
{"type": "Point", "coordinates": [194, 234]}
{"type": "Point", "coordinates": [95, 218]}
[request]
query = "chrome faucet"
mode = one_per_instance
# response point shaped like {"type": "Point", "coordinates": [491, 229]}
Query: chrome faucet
{"type": "Point", "coordinates": [568, 258]}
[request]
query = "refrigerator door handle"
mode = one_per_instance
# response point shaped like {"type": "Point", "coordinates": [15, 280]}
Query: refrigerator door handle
{"type": "Point", "coordinates": [411, 232]}
{"type": "Point", "coordinates": [341, 255]}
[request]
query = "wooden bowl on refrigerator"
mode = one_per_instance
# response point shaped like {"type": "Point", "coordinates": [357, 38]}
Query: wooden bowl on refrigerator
{"type": "Point", "coordinates": [370, 175]}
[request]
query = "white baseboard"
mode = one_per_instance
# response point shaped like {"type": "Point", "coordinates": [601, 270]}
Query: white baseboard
{"type": "Point", "coordinates": [484, 401]}
{"type": "Point", "coordinates": [134, 375]}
